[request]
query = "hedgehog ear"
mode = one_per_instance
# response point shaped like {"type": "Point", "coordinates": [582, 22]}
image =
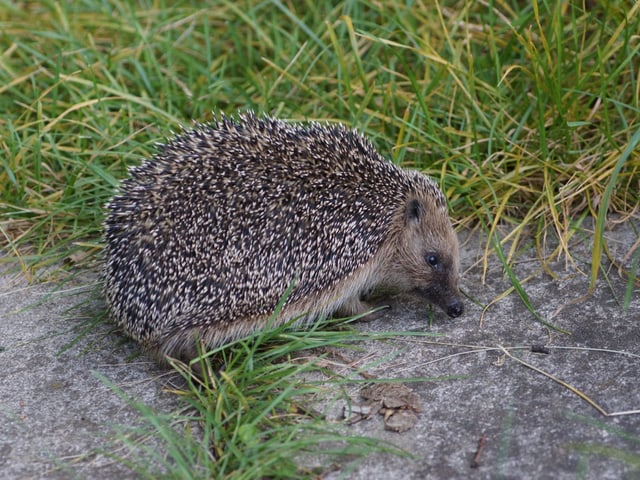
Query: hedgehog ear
{"type": "Point", "coordinates": [414, 211]}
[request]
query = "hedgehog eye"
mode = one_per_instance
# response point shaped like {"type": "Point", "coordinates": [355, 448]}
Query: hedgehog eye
{"type": "Point", "coordinates": [432, 260]}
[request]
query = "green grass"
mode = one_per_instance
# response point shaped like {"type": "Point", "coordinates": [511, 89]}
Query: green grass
{"type": "Point", "coordinates": [526, 113]}
{"type": "Point", "coordinates": [263, 415]}
{"type": "Point", "coordinates": [522, 113]}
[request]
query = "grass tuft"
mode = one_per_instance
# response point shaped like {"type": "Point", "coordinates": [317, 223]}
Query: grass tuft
{"type": "Point", "coordinates": [259, 408]}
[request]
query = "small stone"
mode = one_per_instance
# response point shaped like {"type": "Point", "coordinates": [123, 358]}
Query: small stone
{"type": "Point", "coordinates": [400, 421]}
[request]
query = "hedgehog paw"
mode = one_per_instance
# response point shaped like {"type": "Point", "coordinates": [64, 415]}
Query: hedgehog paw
{"type": "Point", "coordinates": [355, 306]}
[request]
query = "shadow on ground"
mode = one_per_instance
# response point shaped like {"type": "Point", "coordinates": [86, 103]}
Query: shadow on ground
{"type": "Point", "coordinates": [58, 417]}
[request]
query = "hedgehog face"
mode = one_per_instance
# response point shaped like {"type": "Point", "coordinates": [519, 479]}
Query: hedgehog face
{"type": "Point", "coordinates": [427, 258]}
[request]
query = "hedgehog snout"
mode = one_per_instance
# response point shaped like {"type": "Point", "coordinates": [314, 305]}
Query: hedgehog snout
{"type": "Point", "coordinates": [448, 302]}
{"type": "Point", "coordinates": [455, 308]}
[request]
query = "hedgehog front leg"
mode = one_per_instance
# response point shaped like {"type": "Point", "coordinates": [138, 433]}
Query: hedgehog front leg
{"type": "Point", "coordinates": [354, 306]}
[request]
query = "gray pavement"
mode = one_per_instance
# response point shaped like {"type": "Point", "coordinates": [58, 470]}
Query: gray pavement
{"type": "Point", "coordinates": [58, 417]}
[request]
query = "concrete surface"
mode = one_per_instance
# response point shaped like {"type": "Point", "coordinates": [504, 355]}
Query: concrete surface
{"type": "Point", "coordinates": [55, 413]}
{"type": "Point", "coordinates": [57, 416]}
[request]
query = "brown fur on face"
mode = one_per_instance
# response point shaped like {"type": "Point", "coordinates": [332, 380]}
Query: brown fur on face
{"type": "Point", "coordinates": [422, 255]}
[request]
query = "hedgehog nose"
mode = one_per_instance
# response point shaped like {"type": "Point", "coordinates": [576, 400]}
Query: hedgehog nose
{"type": "Point", "coordinates": [455, 308]}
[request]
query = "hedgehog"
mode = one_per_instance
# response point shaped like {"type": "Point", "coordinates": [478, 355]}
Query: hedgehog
{"type": "Point", "coordinates": [204, 239]}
